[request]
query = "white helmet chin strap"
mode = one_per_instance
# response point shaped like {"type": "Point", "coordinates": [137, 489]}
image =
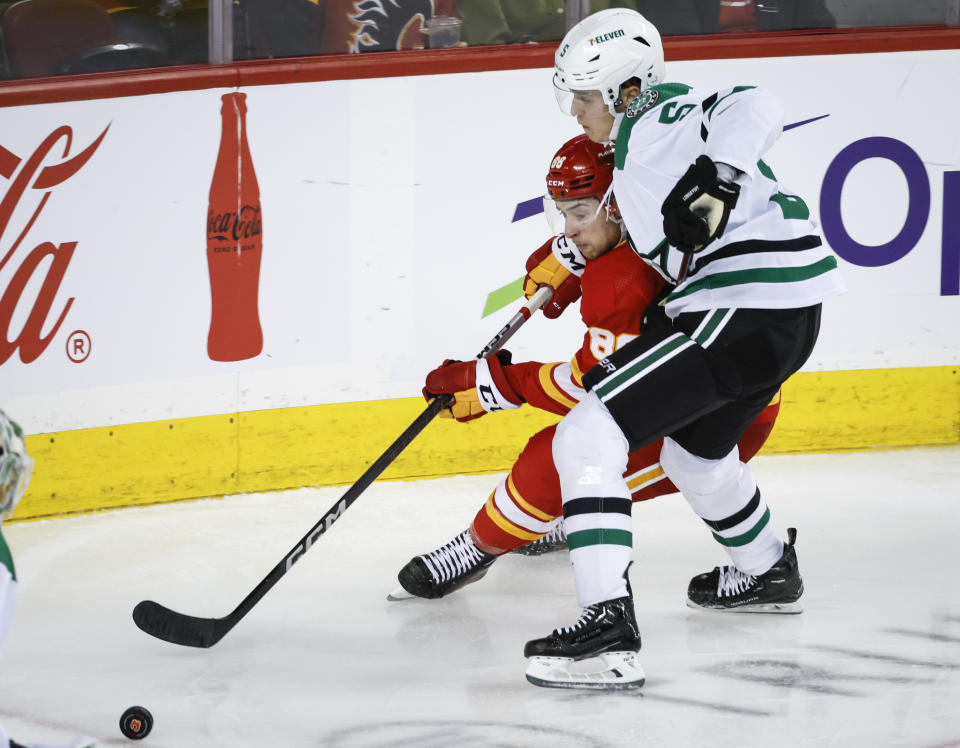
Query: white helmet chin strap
{"type": "Point", "coordinates": [606, 201]}
{"type": "Point", "coordinates": [615, 128]}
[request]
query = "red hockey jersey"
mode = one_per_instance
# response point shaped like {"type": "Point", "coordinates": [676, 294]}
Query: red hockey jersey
{"type": "Point", "coordinates": [617, 287]}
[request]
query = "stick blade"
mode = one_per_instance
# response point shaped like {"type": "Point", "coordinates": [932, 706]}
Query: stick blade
{"type": "Point", "coordinates": [177, 628]}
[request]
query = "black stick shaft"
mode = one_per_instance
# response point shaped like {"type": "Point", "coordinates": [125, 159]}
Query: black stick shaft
{"type": "Point", "coordinates": [333, 514]}
{"type": "Point", "coordinates": [191, 631]}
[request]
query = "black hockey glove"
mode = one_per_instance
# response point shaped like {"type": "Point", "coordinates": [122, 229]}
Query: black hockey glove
{"type": "Point", "coordinates": [655, 320]}
{"type": "Point", "coordinates": [697, 208]}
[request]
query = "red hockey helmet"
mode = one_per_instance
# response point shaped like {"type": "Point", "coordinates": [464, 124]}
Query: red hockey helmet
{"type": "Point", "coordinates": [581, 169]}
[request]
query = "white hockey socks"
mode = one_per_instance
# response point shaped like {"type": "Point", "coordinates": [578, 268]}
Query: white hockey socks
{"type": "Point", "coordinates": [725, 496]}
{"type": "Point", "coordinates": [590, 453]}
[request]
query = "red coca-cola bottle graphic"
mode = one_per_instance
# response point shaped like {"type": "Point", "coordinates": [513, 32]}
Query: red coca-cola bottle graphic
{"type": "Point", "coordinates": [234, 241]}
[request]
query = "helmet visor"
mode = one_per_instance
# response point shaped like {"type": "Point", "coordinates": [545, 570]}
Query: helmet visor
{"type": "Point", "coordinates": [588, 103]}
{"type": "Point", "coordinates": [564, 95]}
{"type": "Point", "coordinates": [571, 216]}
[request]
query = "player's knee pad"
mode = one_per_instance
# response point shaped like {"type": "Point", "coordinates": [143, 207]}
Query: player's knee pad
{"type": "Point", "coordinates": [590, 452]}
{"type": "Point", "coordinates": [704, 482]}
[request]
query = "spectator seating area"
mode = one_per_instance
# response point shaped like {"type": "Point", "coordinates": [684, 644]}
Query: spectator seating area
{"type": "Point", "coordinates": [40, 38]}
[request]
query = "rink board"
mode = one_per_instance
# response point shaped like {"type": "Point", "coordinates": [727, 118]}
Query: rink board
{"type": "Point", "coordinates": [383, 238]}
{"type": "Point", "coordinates": [333, 444]}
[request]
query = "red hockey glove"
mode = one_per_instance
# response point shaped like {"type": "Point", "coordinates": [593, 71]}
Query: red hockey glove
{"type": "Point", "coordinates": [478, 387]}
{"type": "Point", "coordinates": [543, 268]}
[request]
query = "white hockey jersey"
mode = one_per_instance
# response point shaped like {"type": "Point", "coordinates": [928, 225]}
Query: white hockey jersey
{"type": "Point", "coordinates": [770, 255]}
{"type": "Point", "coordinates": [8, 588]}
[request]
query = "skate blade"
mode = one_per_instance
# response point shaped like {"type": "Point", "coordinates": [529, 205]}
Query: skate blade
{"type": "Point", "coordinates": [781, 608]}
{"type": "Point", "coordinates": [398, 594]}
{"type": "Point", "coordinates": [611, 671]}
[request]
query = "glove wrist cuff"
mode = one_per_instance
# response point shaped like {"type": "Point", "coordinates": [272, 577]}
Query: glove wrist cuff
{"type": "Point", "coordinates": [567, 254]}
{"type": "Point", "coordinates": [493, 391]}
{"type": "Point", "coordinates": [725, 172]}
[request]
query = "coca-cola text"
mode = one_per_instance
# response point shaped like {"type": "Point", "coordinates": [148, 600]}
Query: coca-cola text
{"type": "Point", "coordinates": [31, 182]}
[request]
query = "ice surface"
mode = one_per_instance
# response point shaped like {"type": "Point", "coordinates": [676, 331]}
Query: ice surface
{"type": "Point", "coordinates": [326, 660]}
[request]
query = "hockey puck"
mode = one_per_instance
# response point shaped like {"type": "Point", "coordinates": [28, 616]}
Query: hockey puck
{"type": "Point", "coordinates": [136, 723]}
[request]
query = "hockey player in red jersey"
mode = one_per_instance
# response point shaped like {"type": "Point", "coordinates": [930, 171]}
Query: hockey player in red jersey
{"type": "Point", "coordinates": [592, 258]}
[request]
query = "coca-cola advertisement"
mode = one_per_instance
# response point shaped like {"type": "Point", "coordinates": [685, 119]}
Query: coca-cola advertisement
{"type": "Point", "coordinates": [385, 233]}
{"type": "Point", "coordinates": [234, 241]}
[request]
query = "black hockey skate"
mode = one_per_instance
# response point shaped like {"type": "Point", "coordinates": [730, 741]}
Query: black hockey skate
{"type": "Point", "coordinates": [729, 589]}
{"type": "Point", "coordinates": [607, 630]}
{"type": "Point", "coordinates": [444, 570]}
{"type": "Point", "coordinates": [555, 540]}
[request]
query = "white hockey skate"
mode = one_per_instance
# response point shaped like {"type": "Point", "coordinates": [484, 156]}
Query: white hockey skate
{"type": "Point", "coordinates": [611, 671]}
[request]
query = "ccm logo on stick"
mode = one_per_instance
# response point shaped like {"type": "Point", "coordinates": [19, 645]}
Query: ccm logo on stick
{"type": "Point", "coordinates": [308, 541]}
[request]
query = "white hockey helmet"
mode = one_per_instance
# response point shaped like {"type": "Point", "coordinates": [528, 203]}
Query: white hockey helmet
{"type": "Point", "coordinates": [16, 466]}
{"type": "Point", "coordinates": [605, 50]}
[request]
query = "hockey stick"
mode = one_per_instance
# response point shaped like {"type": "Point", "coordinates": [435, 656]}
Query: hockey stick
{"type": "Point", "coordinates": [190, 631]}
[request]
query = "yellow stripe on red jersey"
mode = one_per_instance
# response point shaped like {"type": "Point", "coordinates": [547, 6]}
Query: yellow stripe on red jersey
{"type": "Point", "coordinates": [514, 494]}
{"type": "Point", "coordinates": [496, 516]}
{"type": "Point", "coordinates": [514, 515]}
{"type": "Point", "coordinates": [644, 477]}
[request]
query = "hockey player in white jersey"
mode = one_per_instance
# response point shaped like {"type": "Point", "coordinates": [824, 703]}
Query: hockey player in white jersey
{"type": "Point", "coordinates": [749, 272]}
{"type": "Point", "coordinates": [16, 467]}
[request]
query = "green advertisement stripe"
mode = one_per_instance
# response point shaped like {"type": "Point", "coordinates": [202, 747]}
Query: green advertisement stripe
{"type": "Point", "coordinates": [599, 536]}
{"type": "Point", "coordinates": [499, 298]}
{"type": "Point", "coordinates": [737, 541]}
{"type": "Point", "coordinates": [757, 275]}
